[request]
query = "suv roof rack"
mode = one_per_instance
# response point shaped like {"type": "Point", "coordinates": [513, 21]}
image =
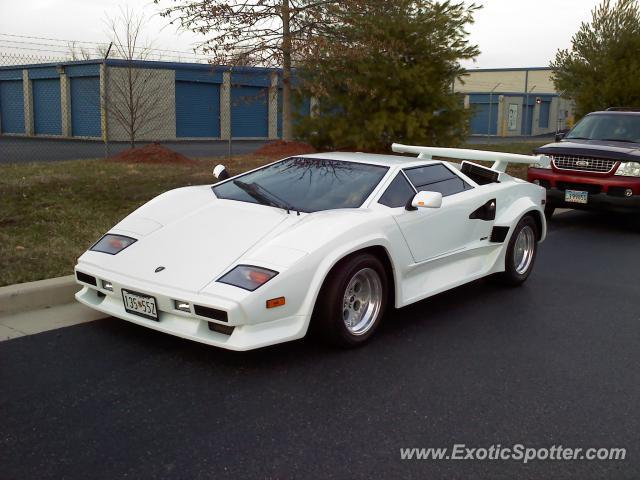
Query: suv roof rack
{"type": "Point", "coordinates": [623, 109]}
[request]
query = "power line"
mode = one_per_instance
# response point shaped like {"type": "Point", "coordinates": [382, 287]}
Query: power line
{"type": "Point", "coordinates": [94, 51]}
{"type": "Point", "coordinates": [66, 41]}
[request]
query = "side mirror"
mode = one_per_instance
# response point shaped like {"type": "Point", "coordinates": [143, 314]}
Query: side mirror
{"type": "Point", "coordinates": [560, 136]}
{"type": "Point", "coordinates": [220, 172]}
{"type": "Point", "coordinates": [425, 200]}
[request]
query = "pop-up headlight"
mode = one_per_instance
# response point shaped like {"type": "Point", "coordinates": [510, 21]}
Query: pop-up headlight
{"type": "Point", "coordinates": [112, 244]}
{"type": "Point", "coordinates": [248, 277]}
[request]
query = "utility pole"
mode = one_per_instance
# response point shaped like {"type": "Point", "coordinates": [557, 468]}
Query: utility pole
{"type": "Point", "coordinates": [558, 110]}
{"type": "Point", "coordinates": [490, 110]}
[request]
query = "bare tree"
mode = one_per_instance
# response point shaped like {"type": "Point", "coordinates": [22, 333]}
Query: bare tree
{"type": "Point", "coordinates": [80, 52]}
{"type": "Point", "coordinates": [271, 33]}
{"type": "Point", "coordinates": [134, 100]}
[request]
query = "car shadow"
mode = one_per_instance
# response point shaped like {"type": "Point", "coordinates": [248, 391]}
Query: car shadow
{"type": "Point", "coordinates": [440, 314]}
{"type": "Point", "coordinates": [435, 314]}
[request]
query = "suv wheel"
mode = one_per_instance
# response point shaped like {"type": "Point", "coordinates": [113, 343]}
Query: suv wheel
{"type": "Point", "coordinates": [548, 211]}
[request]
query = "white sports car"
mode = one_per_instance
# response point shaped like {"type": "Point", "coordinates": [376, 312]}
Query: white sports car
{"type": "Point", "coordinates": [325, 242]}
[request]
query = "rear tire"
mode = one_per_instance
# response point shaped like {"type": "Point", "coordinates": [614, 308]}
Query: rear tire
{"type": "Point", "coordinates": [352, 301]}
{"type": "Point", "coordinates": [521, 252]}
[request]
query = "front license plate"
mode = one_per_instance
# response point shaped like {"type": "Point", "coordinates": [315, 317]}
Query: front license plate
{"type": "Point", "coordinates": [140, 304]}
{"type": "Point", "coordinates": [575, 196]}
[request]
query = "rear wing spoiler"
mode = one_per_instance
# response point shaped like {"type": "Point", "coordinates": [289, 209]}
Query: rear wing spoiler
{"type": "Point", "coordinates": [500, 160]}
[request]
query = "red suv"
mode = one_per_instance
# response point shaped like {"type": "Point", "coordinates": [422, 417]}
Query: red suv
{"type": "Point", "coordinates": [596, 165]}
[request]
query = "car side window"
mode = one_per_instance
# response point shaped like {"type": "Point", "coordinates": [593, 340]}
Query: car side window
{"type": "Point", "coordinates": [397, 193]}
{"type": "Point", "coordinates": [436, 178]}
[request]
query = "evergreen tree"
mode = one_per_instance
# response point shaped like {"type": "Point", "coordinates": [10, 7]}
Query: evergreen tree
{"type": "Point", "coordinates": [602, 68]}
{"type": "Point", "coordinates": [383, 72]}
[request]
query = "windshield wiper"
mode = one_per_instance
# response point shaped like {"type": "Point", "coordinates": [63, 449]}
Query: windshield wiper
{"type": "Point", "coordinates": [624, 140]}
{"type": "Point", "coordinates": [264, 196]}
{"type": "Point", "coordinates": [578, 138]}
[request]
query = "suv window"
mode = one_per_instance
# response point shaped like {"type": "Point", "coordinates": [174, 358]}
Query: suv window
{"type": "Point", "coordinates": [436, 178]}
{"type": "Point", "coordinates": [616, 127]}
{"type": "Point", "coordinates": [397, 193]}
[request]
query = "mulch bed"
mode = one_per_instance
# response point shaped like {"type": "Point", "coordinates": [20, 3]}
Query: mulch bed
{"type": "Point", "coordinates": [153, 153]}
{"type": "Point", "coordinates": [281, 148]}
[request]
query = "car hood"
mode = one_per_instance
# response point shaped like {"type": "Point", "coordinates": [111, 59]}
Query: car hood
{"type": "Point", "coordinates": [593, 148]}
{"type": "Point", "coordinates": [194, 249]}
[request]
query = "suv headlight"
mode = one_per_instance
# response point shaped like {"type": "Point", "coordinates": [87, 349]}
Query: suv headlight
{"type": "Point", "coordinates": [248, 277]}
{"type": "Point", "coordinates": [629, 169]}
{"type": "Point", "coordinates": [112, 244]}
{"type": "Point", "coordinates": [543, 165]}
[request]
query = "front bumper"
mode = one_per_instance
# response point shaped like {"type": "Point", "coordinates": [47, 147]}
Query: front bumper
{"type": "Point", "coordinates": [239, 332]}
{"type": "Point", "coordinates": [605, 193]}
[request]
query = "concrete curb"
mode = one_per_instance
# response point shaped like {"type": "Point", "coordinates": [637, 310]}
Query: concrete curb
{"type": "Point", "coordinates": [37, 295]}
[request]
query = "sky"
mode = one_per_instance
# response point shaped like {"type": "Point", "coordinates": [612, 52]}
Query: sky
{"type": "Point", "coordinates": [510, 33]}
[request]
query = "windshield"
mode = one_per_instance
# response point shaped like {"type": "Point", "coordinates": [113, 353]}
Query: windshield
{"type": "Point", "coordinates": [615, 127]}
{"type": "Point", "coordinates": [305, 184]}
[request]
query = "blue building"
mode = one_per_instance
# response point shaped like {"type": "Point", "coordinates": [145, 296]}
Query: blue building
{"type": "Point", "coordinates": [514, 102]}
{"type": "Point", "coordinates": [98, 99]}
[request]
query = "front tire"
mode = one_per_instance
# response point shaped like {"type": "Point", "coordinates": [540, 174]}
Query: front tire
{"type": "Point", "coordinates": [352, 301]}
{"type": "Point", "coordinates": [521, 252]}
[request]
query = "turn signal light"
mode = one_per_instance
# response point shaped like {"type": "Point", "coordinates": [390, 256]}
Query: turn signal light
{"type": "Point", "coordinates": [276, 302]}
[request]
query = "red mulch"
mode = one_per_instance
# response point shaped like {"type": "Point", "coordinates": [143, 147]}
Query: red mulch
{"type": "Point", "coordinates": [284, 149]}
{"type": "Point", "coordinates": [152, 153]}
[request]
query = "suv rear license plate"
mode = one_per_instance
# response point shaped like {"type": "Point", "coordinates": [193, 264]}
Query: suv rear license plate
{"type": "Point", "coordinates": [140, 304]}
{"type": "Point", "coordinates": [575, 196]}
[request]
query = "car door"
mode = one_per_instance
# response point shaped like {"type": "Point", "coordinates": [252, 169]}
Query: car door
{"type": "Point", "coordinates": [464, 219]}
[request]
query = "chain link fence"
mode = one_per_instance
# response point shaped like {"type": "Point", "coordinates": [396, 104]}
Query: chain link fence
{"type": "Point", "coordinates": [55, 109]}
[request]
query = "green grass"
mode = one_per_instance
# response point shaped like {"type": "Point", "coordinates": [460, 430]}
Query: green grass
{"type": "Point", "coordinates": [51, 212]}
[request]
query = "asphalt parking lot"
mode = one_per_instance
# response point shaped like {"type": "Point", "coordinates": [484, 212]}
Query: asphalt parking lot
{"type": "Point", "coordinates": [24, 150]}
{"type": "Point", "coordinates": [555, 362]}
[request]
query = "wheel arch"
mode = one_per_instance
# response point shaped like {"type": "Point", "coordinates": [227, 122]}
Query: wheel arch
{"type": "Point", "coordinates": [377, 250]}
{"type": "Point", "coordinates": [538, 217]}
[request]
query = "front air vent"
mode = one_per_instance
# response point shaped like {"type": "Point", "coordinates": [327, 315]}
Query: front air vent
{"type": "Point", "coordinates": [224, 329]}
{"type": "Point", "coordinates": [85, 278]}
{"type": "Point", "coordinates": [499, 234]}
{"type": "Point", "coordinates": [209, 312]}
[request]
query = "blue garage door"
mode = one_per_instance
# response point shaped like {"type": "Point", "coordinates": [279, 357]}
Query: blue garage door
{"type": "Point", "coordinates": [85, 107]}
{"type": "Point", "coordinates": [545, 111]}
{"type": "Point", "coordinates": [46, 107]}
{"type": "Point", "coordinates": [11, 107]}
{"type": "Point", "coordinates": [485, 115]}
{"type": "Point", "coordinates": [527, 119]}
{"type": "Point", "coordinates": [249, 112]}
{"type": "Point", "coordinates": [197, 109]}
